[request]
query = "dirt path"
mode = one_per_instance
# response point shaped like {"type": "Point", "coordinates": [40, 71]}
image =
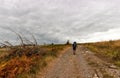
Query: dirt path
{"type": "Point", "coordinates": [81, 65]}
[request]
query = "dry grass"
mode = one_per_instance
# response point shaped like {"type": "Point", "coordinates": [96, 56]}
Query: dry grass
{"type": "Point", "coordinates": [107, 49]}
{"type": "Point", "coordinates": [26, 62]}
{"type": "Point", "coordinates": [3, 52]}
{"type": "Point", "coordinates": [27, 58]}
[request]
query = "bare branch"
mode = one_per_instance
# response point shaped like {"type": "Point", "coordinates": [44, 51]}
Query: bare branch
{"type": "Point", "coordinates": [8, 43]}
{"type": "Point", "coordinates": [28, 41]}
{"type": "Point", "coordinates": [35, 41]}
{"type": "Point", "coordinates": [20, 37]}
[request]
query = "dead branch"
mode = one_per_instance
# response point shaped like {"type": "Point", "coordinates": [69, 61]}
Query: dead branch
{"type": "Point", "coordinates": [8, 43]}
{"type": "Point", "coordinates": [20, 37]}
{"type": "Point", "coordinates": [35, 41]}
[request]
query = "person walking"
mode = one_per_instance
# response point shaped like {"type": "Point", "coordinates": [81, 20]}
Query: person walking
{"type": "Point", "coordinates": [74, 46]}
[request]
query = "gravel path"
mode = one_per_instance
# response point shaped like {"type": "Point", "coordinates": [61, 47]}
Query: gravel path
{"type": "Point", "coordinates": [69, 66]}
{"type": "Point", "coordinates": [85, 64]}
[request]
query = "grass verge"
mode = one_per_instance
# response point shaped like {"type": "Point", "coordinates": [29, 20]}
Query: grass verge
{"type": "Point", "coordinates": [109, 50]}
{"type": "Point", "coordinates": [27, 62]}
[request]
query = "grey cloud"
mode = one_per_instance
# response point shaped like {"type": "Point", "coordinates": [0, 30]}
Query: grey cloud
{"type": "Point", "coordinates": [58, 20]}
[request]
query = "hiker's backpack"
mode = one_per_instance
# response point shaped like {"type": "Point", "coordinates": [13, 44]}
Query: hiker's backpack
{"type": "Point", "coordinates": [74, 44]}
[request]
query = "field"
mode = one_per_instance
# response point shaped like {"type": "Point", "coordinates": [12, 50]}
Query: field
{"type": "Point", "coordinates": [26, 62]}
{"type": "Point", "coordinates": [108, 50]}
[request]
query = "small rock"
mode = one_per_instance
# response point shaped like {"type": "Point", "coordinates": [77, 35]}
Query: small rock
{"type": "Point", "coordinates": [87, 51]}
{"type": "Point", "coordinates": [83, 52]}
{"type": "Point", "coordinates": [95, 76]}
{"type": "Point", "coordinates": [113, 67]}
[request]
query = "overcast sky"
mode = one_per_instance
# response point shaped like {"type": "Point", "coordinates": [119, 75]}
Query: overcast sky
{"type": "Point", "coordinates": [60, 20]}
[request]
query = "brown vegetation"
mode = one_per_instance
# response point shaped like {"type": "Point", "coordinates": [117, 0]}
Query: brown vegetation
{"type": "Point", "coordinates": [24, 60]}
{"type": "Point", "coordinates": [107, 49]}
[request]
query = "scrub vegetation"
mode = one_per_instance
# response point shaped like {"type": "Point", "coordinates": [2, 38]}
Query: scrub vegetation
{"type": "Point", "coordinates": [27, 59]}
{"type": "Point", "coordinates": [108, 50]}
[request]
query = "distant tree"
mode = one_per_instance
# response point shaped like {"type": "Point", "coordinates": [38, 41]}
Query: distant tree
{"type": "Point", "coordinates": [68, 42]}
{"type": "Point", "coordinates": [52, 44]}
{"type": "Point", "coordinates": [44, 44]}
